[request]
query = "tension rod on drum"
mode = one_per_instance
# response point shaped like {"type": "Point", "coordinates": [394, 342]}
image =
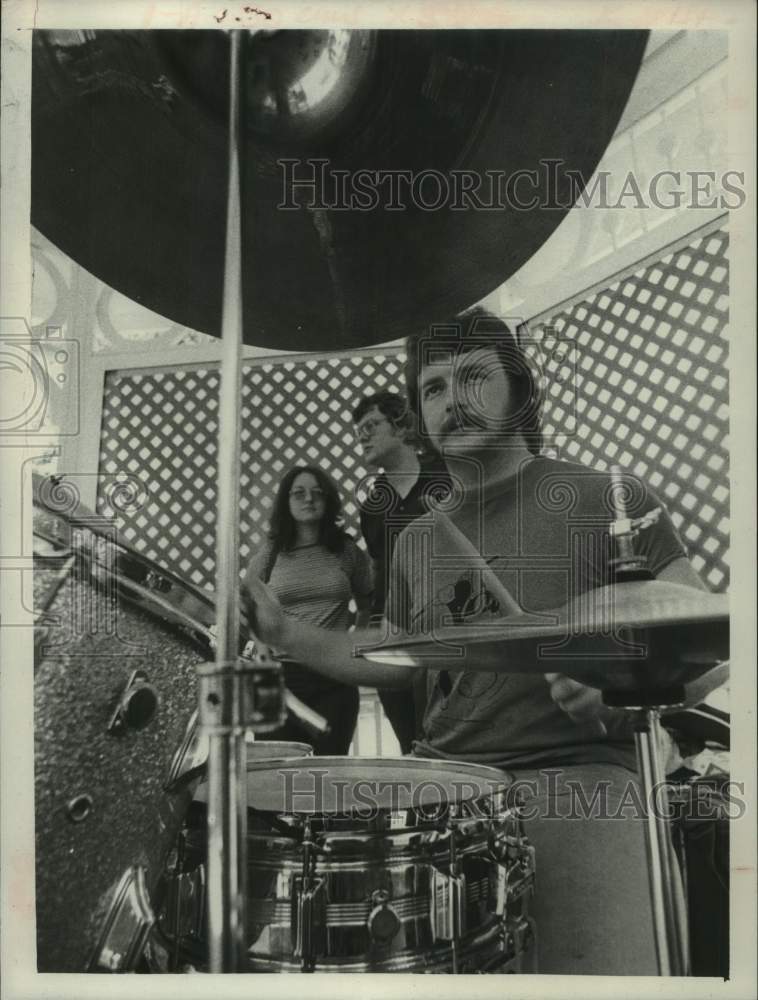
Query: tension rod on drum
{"type": "Point", "coordinates": [221, 708]}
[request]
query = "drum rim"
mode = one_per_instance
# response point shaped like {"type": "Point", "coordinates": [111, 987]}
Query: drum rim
{"type": "Point", "coordinates": [494, 781]}
{"type": "Point", "coordinates": [81, 518]}
{"type": "Point", "coordinates": [407, 761]}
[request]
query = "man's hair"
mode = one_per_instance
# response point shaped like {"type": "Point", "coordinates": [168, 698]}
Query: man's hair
{"type": "Point", "coordinates": [478, 328]}
{"type": "Point", "coordinates": [391, 405]}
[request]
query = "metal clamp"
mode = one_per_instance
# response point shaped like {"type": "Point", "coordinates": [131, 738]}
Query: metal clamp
{"type": "Point", "coordinates": [448, 911]}
{"type": "Point", "coordinates": [244, 693]}
{"type": "Point", "coordinates": [514, 869]}
{"type": "Point", "coordinates": [308, 907]}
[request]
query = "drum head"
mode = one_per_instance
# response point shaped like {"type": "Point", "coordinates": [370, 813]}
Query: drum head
{"type": "Point", "coordinates": [350, 785]}
{"type": "Point", "coordinates": [267, 755]}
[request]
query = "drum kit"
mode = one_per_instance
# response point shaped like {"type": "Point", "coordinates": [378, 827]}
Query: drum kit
{"type": "Point", "coordinates": [428, 870]}
{"type": "Point", "coordinates": [167, 838]}
{"type": "Point", "coordinates": [431, 873]}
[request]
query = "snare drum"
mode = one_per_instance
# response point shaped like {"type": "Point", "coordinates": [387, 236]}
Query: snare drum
{"type": "Point", "coordinates": [179, 934]}
{"type": "Point", "coordinates": [380, 865]}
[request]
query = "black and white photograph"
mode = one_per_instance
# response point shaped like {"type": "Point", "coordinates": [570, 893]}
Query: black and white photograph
{"type": "Point", "coordinates": [378, 499]}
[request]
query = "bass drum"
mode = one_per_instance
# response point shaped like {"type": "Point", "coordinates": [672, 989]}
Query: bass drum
{"type": "Point", "coordinates": [373, 865]}
{"type": "Point", "coordinates": [117, 643]}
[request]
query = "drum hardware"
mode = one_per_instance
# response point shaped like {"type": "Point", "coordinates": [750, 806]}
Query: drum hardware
{"type": "Point", "coordinates": [647, 701]}
{"type": "Point", "coordinates": [136, 706]}
{"type": "Point", "coordinates": [190, 758]}
{"type": "Point", "coordinates": [701, 826]}
{"type": "Point", "coordinates": [308, 906]}
{"type": "Point", "coordinates": [669, 917]}
{"type": "Point", "coordinates": [155, 581]}
{"type": "Point", "coordinates": [79, 808]}
{"type": "Point", "coordinates": [126, 927]}
{"type": "Point", "coordinates": [449, 896]}
{"type": "Point", "coordinates": [383, 923]}
{"type": "Point", "coordinates": [175, 868]}
{"type": "Point", "coordinates": [514, 858]}
{"type": "Point", "coordinates": [256, 690]}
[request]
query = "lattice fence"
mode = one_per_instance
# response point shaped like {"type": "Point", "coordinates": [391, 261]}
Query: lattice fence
{"type": "Point", "coordinates": [161, 427]}
{"type": "Point", "coordinates": [636, 375]}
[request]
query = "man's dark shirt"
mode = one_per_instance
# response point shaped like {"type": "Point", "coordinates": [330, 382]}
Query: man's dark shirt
{"type": "Point", "coordinates": [384, 514]}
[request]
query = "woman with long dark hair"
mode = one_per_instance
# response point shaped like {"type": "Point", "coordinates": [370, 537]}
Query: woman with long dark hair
{"type": "Point", "coordinates": [315, 569]}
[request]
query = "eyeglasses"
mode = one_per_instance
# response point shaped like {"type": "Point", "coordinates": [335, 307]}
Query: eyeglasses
{"type": "Point", "coordinates": [368, 427]}
{"type": "Point", "coordinates": [300, 493]}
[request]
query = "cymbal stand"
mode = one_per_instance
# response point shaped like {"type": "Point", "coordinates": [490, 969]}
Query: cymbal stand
{"type": "Point", "coordinates": [224, 688]}
{"type": "Point", "coordinates": [669, 916]}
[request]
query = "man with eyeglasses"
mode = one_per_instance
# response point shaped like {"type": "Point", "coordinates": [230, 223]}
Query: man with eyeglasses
{"type": "Point", "coordinates": [404, 479]}
{"type": "Point", "coordinates": [520, 525]}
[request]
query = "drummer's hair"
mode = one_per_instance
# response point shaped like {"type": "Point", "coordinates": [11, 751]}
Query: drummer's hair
{"type": "Point", "coordinates": [391, 405]}
{"type": "Point", "coordinates": [282, 532]}
{"type": "Point", "coordinates": [477, 328]}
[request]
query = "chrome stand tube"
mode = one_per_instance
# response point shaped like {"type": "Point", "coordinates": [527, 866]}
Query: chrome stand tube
{"type": "Point", "coordinates": [669, 920]}
{"type": "Point", "coordinates": [221, 701]}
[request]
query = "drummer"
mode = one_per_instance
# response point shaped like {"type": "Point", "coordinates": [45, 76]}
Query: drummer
{"type": "Point", "coordinates": [520, 527]}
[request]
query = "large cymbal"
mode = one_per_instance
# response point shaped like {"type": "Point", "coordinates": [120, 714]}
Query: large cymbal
{"type": "Point", "coordinates": [129, 165]}
{"type": "Point", "coordinates": [625, 636]}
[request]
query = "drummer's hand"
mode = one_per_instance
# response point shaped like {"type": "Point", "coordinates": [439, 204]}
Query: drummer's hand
{"type": "Point", "coordinates": [264, 613]}
{"type": "Point", "coordinates": [580, 702]}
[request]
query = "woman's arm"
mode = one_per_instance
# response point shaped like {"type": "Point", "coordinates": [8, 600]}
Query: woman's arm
{"type": "Point", "coordinates": [327, 651]}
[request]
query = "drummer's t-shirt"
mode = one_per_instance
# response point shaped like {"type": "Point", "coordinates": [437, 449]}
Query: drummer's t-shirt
{"type": "Point", "coordinates": [545, 534]}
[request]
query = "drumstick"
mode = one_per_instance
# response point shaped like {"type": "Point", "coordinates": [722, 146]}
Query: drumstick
{"type": "Point", "coordinates": [454, 542]}
{"type": "Point", "coordinates": [314, 723]}
{"type": "Point", "coordinates": [595, 723]}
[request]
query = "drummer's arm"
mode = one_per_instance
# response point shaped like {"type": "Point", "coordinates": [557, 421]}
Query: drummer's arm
{"type": "Point", "coordinates": [327, 651]}
{"type": "Point", "coordinates": [334, 654]}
